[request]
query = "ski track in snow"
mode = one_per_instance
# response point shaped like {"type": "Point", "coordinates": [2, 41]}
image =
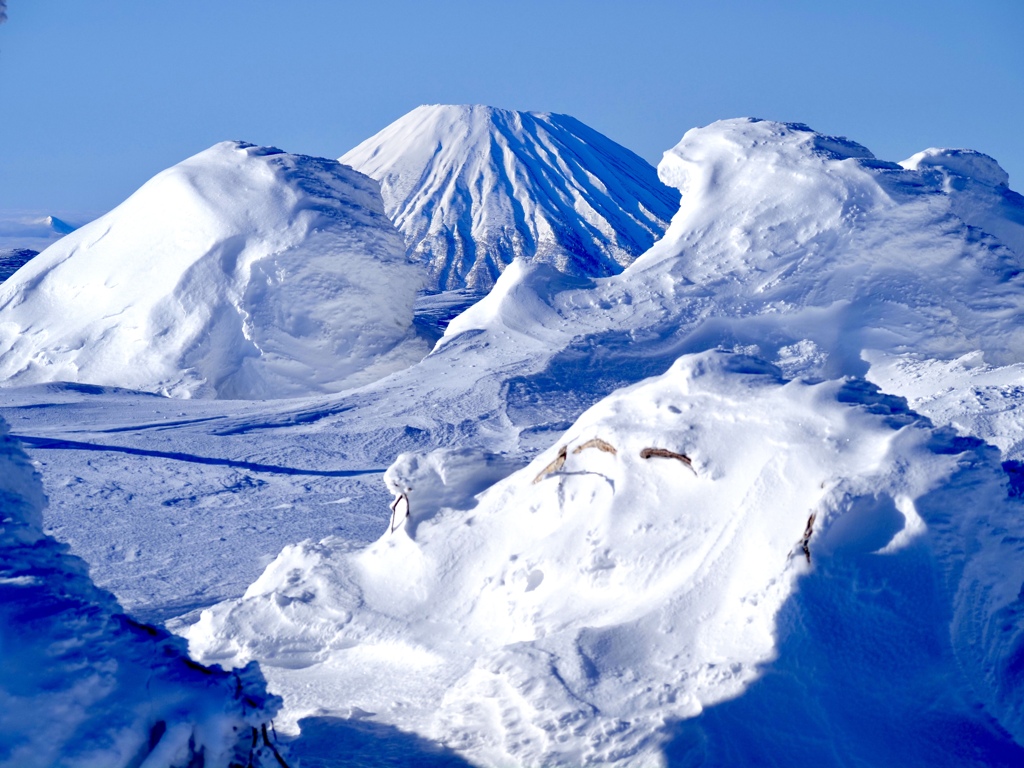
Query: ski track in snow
{"type": "Point", "coordinates": [798, 249]}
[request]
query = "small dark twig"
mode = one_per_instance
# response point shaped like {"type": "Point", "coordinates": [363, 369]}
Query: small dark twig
{"type": "Point", "coordinates": [394, 510]}
{"type": "Point", "coordinates": [805, 541]}
{"type": "Point", "coordinates": [650, 453]}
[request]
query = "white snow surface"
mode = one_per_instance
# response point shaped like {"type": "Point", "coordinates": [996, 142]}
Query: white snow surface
{"type": "Point", "coordinates": [473, 187]}
{"type": "Point", "coordinates": [81, 683]}
{"type": "Point", "coordinates": [242, 272]}
{"type": "Point", "coordinates": [898, 644]}
{"type": "Point", "coordinates": [566, 615]}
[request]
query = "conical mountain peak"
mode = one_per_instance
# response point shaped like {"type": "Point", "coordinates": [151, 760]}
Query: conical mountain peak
{"type": "Point", "coordinates": [472, 187]}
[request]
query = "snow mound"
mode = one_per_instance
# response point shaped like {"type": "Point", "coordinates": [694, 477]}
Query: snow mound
{"type": "Point", "coordinates": [792, 246]}
{"type": "Point", "coordinates": [82, 684]}
{"type": "Point", "coordinates": [242, 272]}
{"type": "Point", "coordinates": [968, 163]}
{"type": "Point", "coordinates": [473, 187]}
{"type": "Point", "coordinates": [979, 191]}
{"type": "Point", "coordinates": [635, 574]}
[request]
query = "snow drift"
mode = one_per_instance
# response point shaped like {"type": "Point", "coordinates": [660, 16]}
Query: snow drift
{"type": "Point", "coordinates": [82, 684]}
{"type": "Point", "coordinates": [242, 272]}
{"type": "Point", "coordinates": [634, 573]}
{"type": "Point", "coordinates": [473, 187]}
{"type": "Point", "coordinates": [799, 248]}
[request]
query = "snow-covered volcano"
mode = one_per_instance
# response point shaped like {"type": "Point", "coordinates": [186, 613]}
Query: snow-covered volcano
{"type": "Point", "coordinates": [473, 187]}
{"type": "Point", "coordinates": [242, 272]}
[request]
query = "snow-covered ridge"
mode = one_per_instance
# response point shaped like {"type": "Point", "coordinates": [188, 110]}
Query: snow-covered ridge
{"type": "Point", "coordinates": [799, 248]}
{"type": "Point", "coordinates": [242, 272]}
{"type": "Point", "coordinates": [81, 684]}
{"type": "Point", "coordinates": [634, 574]}
{"type": "Point", "coordinates": [472, 187]}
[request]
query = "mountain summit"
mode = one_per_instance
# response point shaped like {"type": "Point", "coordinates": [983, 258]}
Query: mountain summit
{"type": "Point", "coordinates": [473, 187]}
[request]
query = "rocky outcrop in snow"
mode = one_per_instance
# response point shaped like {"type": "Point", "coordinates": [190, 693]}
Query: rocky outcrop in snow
{"type": "Point", "coordinates": [242, 272]}
{"type": "Point", "coordinates": [473, 187]}
{"type": "Point", "coordinates": [82, 684]}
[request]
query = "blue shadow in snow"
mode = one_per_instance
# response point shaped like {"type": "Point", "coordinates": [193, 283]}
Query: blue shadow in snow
{"type": "Point", "coordinates": [45, 443]}
{"type": "Point", "coordinates": [864, 677]}
{"type": "Point", "coordinates": [331, 742]}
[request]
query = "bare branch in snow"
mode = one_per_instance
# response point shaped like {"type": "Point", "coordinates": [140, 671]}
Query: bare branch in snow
{"type": "Point", "coordinates": [597, 442]}
{"type": "Point", "coordinates": [650, 453]}
{"type": "Point", "coordinates": [554, 466]}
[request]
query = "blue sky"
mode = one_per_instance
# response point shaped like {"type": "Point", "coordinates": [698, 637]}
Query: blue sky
{"type": "Point", "coordinates": [99, 95]}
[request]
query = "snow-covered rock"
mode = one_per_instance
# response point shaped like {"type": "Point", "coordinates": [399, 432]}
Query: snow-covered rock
{"type": "Point", "coordinates": [646, 569]}
{"type": "Point", "coordinates": [81, 683]}
{"type": "Point", "coordinates": [242, 272]}
{"type": "Point", "coordinates": [473, 187]}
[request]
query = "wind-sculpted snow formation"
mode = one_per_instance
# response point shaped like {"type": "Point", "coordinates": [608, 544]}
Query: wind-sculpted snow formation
{"type": "Point", "coordinates": [796, 247]}
{"type": "Point", "coordinates": [473, 187]}
{"type": "Point", "coordinates": [82, 684]}
{"type": "Point", "coordinates": [634, 574]}
{"type": "Point", "coordinates": [242, 272]}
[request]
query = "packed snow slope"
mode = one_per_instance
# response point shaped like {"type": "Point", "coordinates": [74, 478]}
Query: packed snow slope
{"type": "Point", "coordinates": [634, 575]}
{"type": "Point", "coordinates": [473, 187]}
{"type": "Point", "coordinates": [242, 272]}
{"type": "Point", "coordinates": [81, 683]}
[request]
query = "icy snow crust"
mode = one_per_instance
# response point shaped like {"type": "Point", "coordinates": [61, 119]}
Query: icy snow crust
{"type": "Point", "coordinates": [899, 643]}
{"type": "Point", "coordinates": [242, 272]}
{"type": "Point", "coordinates": [81, 683]}
{"type": "Point", "coordinates": [473, 187]}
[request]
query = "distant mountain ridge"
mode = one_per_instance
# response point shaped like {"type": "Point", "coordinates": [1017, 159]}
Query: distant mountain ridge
{"type": "Point", "coordinates": [473, 187]}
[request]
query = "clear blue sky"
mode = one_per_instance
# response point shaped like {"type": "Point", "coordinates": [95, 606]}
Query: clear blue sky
{"type": "Point", "coordinates": [98, 95]}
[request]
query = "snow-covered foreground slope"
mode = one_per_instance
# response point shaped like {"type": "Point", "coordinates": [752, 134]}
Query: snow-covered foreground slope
{"type": "Point", "coordinates": [634, 574]}
{"type": "Point", "coordinates": [242, 272]}
{"type": "Point", "coordinates": [81, 683]}
{"type": "Point", "coordinates": [473, 187]}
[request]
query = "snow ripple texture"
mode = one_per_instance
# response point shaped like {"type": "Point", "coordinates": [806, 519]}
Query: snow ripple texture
{"type": "Point", "coordinates": [242, 272]}
{"type": "Point", "coordinates": [82, 684]}
{"type": "Point", "coordinates": [473, 187]}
